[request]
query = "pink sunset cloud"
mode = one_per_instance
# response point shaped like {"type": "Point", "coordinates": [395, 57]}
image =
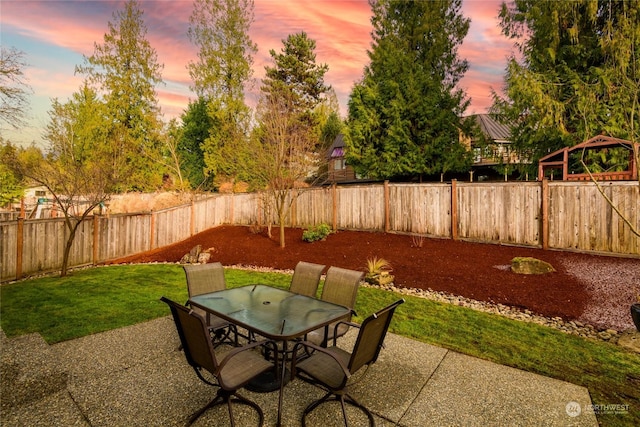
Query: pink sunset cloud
{"type": "Point", "coordinates": [56, 34]}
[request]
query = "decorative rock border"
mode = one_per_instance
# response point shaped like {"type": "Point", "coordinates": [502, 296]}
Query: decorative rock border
{"type": "Point", "coordinates": [573, 327]}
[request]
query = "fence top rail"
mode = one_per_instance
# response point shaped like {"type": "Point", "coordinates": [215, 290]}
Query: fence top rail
{"type": "Point", "coordinates": [498, 184]}
{"type": "Point", "coordinates": [601, 183]}
{"type": "Point", "coordinates": [421, 184]}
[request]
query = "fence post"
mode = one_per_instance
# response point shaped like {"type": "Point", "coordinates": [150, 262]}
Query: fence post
{"type": "Point", "coordinates": [334, 203]}
{"type": "Point", "coordinates": [233, 200]}
{"type": "Point", "coordinates": [192, 226]}
{"type": "Point", "coordinates": [96, 240]}
{"type": "Point", "coordinates": [545, 213]}
{"type": "Point", "coordinates": [454, 209]}
{"type": "Point", "coordinates": [152, 238]}
{"type": "Point", "coordinates": [386, 207]}
{"type": "Point", "coordinates": [19, 246]}
{"type": "Point", "coordinates": [293, 212]}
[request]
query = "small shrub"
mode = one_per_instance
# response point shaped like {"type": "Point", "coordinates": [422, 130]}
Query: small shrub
{"type": "Point", "coordinates": [378, 272]}
{"type": "Point", "coordinates": [319, 232]}
{"type": "Point", "coordinates": [417, 240]}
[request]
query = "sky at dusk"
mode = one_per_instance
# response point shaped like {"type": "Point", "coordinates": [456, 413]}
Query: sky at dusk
{"type": "Point", "coordinates": [54, 35]}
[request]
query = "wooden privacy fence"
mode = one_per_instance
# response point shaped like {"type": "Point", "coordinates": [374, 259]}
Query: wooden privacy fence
{"type": "Point", "coordinates": [556, 215]}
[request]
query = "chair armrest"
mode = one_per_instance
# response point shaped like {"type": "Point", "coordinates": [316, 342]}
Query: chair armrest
{"type": "Point", "coordinates": [343, 322]}
{"type": "Point", "coordinates": [247, 347]}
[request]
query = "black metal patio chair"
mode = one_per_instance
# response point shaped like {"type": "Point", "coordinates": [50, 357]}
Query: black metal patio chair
{"type": "Point", "coordinates": [306, 278]}
{"type": "Point", "coordinates": [204, 279]}
{"type": "Point", "coordinates": [231, 373]}
{"type": "Point", "coordinates": [331, 368]}
{"type": "Point", "coordinates": [340, 287]}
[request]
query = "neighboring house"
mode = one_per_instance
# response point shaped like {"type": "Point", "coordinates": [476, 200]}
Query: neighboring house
{"type": "Point", "coordinates": [38, 202]}
{"type": "Point", "coordinates": [564, 164]}
{"type": "Point", "coordinates": [493, 155]}
{"type": "Point", "coordinates": [338, 169]}
{"type": "Point", "coordinates": [493, 151]}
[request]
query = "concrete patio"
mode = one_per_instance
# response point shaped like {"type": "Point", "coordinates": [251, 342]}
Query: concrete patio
{"type": "Point", "coordinates": [135, 376]}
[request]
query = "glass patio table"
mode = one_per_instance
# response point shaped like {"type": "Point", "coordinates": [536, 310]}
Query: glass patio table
{"type": "Point", "coordinates": [273, 313]}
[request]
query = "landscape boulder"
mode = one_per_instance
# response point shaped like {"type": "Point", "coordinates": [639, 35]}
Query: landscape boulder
{"type": "Point", "coordinates": [528, 265]}
{"type": "Point", "coordinates": [192, 256]}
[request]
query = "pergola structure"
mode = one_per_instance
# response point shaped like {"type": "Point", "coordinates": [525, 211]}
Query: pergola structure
{"type": "Point", "coordinates": [560, 160]}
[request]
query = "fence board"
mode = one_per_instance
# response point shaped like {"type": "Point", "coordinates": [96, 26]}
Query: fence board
{"type": "Point", "coordinates": [579, 218]}
{"type": "Point", "coordinates": [8, 245]}
{"type": "Point", "coordinates": [9, 216]}
{"type": "Point", "coordinates": [245, 209]}
{"type": "Point", "coordinates": [122, 235]}
{"type": "Point", "coordinates": [421, 209]}
{"type": "Point", "coordinates": [360, 207]}
{"type": "Point", "coordinates": [206, 213]}
{"type": "Point", "coordinates": [43, 245]}
{"type": "Point", "coordinates": [500, 212]}
{"type": "Point", "coordinates": [313, 206]}
{"type": "Point", "coordinates": [172, 225]}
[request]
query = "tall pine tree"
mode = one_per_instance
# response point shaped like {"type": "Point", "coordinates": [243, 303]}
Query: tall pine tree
{"type": "Point", "coordinates": [404, 115]}
{"type": "Point", "coordinates": [220, 30]}
{"type": "Point", "coordinates": [125, 69]}
{"type": "Point", "coordinates": [575, 74]}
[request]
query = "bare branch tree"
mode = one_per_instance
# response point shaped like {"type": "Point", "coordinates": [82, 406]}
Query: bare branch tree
{"type": "Point", "coordinates": [282, 156]}
{"type": "Point", "coordinates": [14, 89]}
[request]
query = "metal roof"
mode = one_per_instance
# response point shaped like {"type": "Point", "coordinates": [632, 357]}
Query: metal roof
{"type": "Point", "coordinates": [492, 128]}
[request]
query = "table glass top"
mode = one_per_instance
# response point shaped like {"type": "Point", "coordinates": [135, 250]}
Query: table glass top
{"type": "Point", "coordinates": [272, 312]}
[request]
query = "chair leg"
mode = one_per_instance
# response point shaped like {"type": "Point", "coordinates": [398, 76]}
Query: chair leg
{"type": "Point", "coordinates": [224, 396]}
{"type": "Point", "coordinates": [216, 401]}
{"type": "Point", "coordinates": [225, 335]}
{"type": "Point", "coordinates": [244, 401]}
{"type": "Point", "coordinates": [343, 399]}
{"type": "Point", "coordinates": [347, 398]}
{"type": "Point", "coordinates": [314, 405]}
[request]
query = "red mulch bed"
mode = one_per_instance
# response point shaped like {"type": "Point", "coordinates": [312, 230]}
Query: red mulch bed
{"type": "Point", "coordinates": [473, 270]}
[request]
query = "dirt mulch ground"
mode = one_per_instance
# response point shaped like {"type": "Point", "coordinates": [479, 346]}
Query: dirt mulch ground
{"type": "Point", "coordinates": [473, 270]}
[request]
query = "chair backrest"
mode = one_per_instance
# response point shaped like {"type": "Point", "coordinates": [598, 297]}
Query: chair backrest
{"type": "Point", "coordinates": [204, 278]}
{"type": "Point", "coordinates": [194, 337]}
{"type": "Point", "coordinates": [371, 337]}
{"type": "Point", "coordinates": [341, 286]}
{"type": "Point", "coordinates": [306, 278]}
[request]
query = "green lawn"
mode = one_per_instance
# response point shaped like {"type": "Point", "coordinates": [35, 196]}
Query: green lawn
{"type": "Point", "coordinates": [99, 299]}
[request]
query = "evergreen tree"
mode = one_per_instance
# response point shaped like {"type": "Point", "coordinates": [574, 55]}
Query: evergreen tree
{"type": "Point", "coordinates": [327, 117]}
{"type": "Point", "coordinates": [11, 187]}
{"type": "Point", "coordinates": [332, 127]}
{"type": "Point", "coordinates": [220, 30]}
{"type": "Point", "coordinates": [296, 74]}
{"type": "Point", "coordinates": [404, 115]}
{"type": "Point", "coordinates": [295, 70]}
{"type": "Point", "coordinates": [126, 70]}
{"type": "Point", "coordinates": [576, 73]}
{"type": "Point", "coordinates": [196, 127]}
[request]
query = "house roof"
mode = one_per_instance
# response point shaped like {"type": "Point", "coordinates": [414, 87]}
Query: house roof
{"type": "Point", "coordinates": [338, 142]}
{"type": "Point", "coordinates": [337, 148]}
{"type": "Point", "coordinates": [492, 128]}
